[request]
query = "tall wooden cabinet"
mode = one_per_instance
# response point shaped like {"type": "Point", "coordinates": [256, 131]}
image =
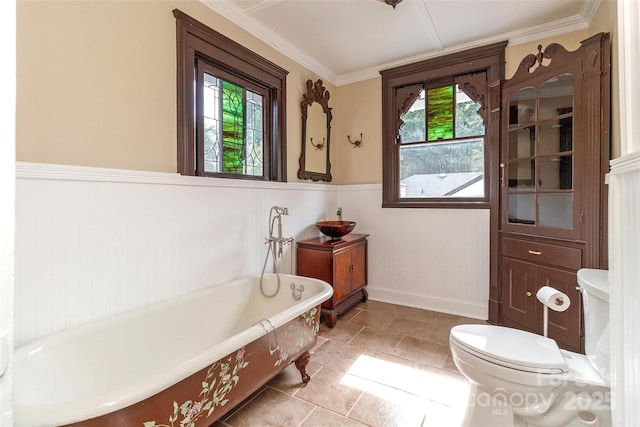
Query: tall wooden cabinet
{"type": "Point", "coordinates": [341, 263]}
{"type": "Point", "coordinates": [554, 155]}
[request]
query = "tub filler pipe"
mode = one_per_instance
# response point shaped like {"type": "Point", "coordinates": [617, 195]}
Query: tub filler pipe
{"type": "Point", "coordinates": [274, 246]}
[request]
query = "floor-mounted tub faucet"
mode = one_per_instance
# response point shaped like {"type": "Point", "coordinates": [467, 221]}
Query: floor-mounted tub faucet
{"type": "Point", "coordinates": [275, 244]}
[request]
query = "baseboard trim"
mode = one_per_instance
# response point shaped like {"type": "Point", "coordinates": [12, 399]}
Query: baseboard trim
{"type": "Point", "coordinates": [442, 305]}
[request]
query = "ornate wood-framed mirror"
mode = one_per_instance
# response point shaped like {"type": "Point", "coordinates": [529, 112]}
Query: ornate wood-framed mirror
{"type": "Point", "coordinates": [316, 133]}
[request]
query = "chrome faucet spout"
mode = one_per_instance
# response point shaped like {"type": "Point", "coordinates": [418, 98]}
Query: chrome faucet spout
{"type": "Point", "coordinates": [280, 210]}
{"type": "Point", "coordinates": [339, 213]}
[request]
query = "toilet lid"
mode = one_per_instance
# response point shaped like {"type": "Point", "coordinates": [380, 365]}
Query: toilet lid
{"type": "Point", "coordinates": [511, 348]}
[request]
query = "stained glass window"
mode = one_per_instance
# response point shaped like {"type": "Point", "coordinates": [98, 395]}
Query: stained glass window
{"type": "Point", "coordinates": [233, 133]}
{"type": "Point", "coordinates": [442, 144]}
{"type": "Point", "coordinates": [231, 107]}
{"type": "Point", "coordinates": [232, 128]}
{"type": "Point", "coordinates": [440, 130]}
{"type": "Point", "coordinates": [440, 113]}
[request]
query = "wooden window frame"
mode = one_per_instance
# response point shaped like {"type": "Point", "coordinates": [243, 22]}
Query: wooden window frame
{"type": "Point", "coordinates": [197, 42]}
{"type": "Point", "coordinates": [489, 59]}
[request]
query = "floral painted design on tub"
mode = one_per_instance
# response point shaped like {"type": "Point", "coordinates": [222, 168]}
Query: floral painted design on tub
{"type": "Point", "coordinates": [297, 336]}
{"type": "Point", "coordinates": [220, 379]}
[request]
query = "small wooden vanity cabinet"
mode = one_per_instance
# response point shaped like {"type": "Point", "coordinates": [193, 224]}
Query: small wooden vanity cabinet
{"type": "Point", "coordinates": [341, 263]}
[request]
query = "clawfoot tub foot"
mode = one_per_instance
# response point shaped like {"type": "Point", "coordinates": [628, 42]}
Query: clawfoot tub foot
{"type": "Point", "coordinates": [301, 364]}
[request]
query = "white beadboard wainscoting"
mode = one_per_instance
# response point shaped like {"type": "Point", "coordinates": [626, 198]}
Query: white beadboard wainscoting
{"type": "Point", "coordinates": [436, 259]}
{"type": "Point", "coordinates": [92, 242]}
{"type": "Point", "coordinates": [624, 278]}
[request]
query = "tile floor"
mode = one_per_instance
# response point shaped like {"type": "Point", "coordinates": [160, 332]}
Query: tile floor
{"type": "Point", "coordinates": [382, 365]}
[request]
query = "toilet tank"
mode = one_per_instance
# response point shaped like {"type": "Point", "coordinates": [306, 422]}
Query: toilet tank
{"type": "Point", "coordinates": [595, 299]}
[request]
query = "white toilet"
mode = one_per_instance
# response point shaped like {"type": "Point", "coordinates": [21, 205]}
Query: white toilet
{"type": "Point", "coordinates": [523, 379]}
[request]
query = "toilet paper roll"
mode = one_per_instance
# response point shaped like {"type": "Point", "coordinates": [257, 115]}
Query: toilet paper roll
{"type": "Point", "coordinates": [553, 298]}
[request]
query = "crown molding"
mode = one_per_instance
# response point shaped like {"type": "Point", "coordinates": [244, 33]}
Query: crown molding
{"type": "Point", "coordinates": [562, 26]}
{"type": "Point", "coordinates": [550, 29]}
{"type": "Point", "coordinates": [252, 26]}
{"type": "Point", "coordinates": [589, 9]}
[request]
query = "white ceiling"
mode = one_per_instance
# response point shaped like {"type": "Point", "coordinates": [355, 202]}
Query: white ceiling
{"type": "Point", "coordinates": [350, 40]}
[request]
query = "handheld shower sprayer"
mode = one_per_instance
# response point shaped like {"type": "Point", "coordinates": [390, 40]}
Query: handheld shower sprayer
{"type": "Point", "coordinates": [275, 243]}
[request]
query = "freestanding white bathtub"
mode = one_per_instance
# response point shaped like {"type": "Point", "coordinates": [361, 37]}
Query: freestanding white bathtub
{"type": "Point", "coordinates": [182, 362]}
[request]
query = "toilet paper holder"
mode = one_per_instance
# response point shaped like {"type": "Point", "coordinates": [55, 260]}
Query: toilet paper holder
{"type": "Point", "coordinates": [554, 299]}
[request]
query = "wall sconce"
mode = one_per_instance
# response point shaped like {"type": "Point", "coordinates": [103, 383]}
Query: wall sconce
{"type": "Point", "coordinates": [317, 146]}
{"type": "Point", "coordinates": [355, 143]}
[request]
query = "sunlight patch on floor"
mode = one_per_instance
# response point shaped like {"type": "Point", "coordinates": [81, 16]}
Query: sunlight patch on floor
{"type": "Point", "coordinates": [436, 385]}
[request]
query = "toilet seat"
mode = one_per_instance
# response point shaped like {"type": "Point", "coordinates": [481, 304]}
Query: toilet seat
{"type": "Point", "coordinates": [510, 348]}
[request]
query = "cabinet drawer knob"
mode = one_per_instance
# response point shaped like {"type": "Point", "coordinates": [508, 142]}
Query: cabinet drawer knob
{"type": "Point", "coordinates": [529, 293]}
{"type": "Point", "coordinates": [535, 252]}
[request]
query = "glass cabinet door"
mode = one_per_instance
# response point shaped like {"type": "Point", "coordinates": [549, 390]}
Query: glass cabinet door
{"type": "Point", "coordinates": [538, 156]}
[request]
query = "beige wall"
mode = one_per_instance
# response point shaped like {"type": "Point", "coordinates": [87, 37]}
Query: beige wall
{"type": "Point", "coordinates": [97, 82]}
{"type": "Point", "coordinates": [359, 110]}
{"type": "Point", "coordinates": [96, 87]}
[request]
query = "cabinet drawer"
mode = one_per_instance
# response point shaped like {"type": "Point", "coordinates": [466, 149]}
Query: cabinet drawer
{"type": "Point", "coordinates": [542, 253]}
